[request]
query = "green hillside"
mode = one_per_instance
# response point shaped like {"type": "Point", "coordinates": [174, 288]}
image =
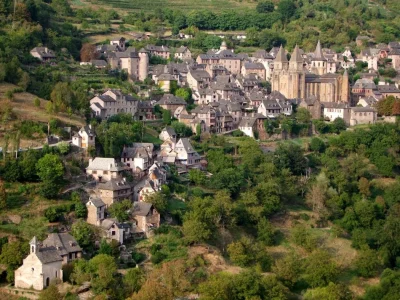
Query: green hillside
{"type": "Point", "coordinates": [185, 5]}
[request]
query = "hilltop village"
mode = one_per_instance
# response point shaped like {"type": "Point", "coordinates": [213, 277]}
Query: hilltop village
{"type": "Point", "coordinates": [139, 167]}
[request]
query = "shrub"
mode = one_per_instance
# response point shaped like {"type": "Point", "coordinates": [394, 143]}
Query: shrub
{"type": "Point", "coordinates": [36, 102]}
{"type": "Point", "coordinates": [368, 263]}
{"type": "Point", "coordinates": [317, 145]}
{"type": "Point", "coordinates": [302, 236]}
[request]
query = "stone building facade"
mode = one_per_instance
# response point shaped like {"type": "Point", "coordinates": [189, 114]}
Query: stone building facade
{"type": "Point", "coordinates": [291, 79]}
{"type": "Point", "coordinates": [41, 267]}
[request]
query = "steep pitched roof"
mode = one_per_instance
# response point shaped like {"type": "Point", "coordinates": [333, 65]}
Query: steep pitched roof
{"type": "Point", "coordinates": [97, 202]}
{"type": "Point", "coordinates": [186, 145]}
{"type": "Point", "coordinates": [114, 185]}
{"type": "Point", "coordinates": [104, 163]}
{"type": "Point", "coordinates": [63, 242]}
{"type": "Point", "coordinates": [318, 55]}
{"type": "Point", "coordinates": [281, 55]}
{"type": "Point", "coordinates": [141, 208]}
{"type": "Point", "coordinates": [48, 255]}
{"type": "Point", "coordinates": [296, 56]}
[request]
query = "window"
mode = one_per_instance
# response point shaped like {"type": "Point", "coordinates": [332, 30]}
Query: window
{"type": "Point", "coordinates": [105, 172]}
{"type": "Point", "coordinates": [113, 233]}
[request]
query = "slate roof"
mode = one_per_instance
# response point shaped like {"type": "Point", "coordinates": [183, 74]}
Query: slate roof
{"type": "Point", "coordinates": [254, 66]}
{"type": "Point", "coordinates": [99, 63]}
{"type": "Point", "coordinates": [107, 223]}
{"type": "Point", "coordinates": [44, 52]}
{"type": "Point", "coordinates": [48, 255]}
{"type": "Point", "coordinates": [363, 109]}
{"type": "Point", "coordinates": [199, 75]}
{"type": "Point", "coordinates": [170, 131]}
{"type": "Point", "coordinates": [141, 208]}
{"type": "Point", "coordinates": [364, 83]}
{"type": "Point", "coordinates": [64, 243]}
{"type": "Point", "coordinates": [186, 145]}
{"type": "Point", "coordinates": [114, 185]}
{"type": "Point", "coordinates": [97, 202]}
{"type": "Point", "coordinates": [157, 48]}
{"type": "Point", "coordinates": [181, 49]}
{"type": "Point", "coordinates": [390, 88]}
{"type": "Point", "coordinates": [107, 164]}
{"type": "Point", "coordinates": [171, 99]}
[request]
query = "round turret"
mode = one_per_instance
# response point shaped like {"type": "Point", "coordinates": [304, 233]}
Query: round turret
{"type": "Point", "coordinates": [143, 64]}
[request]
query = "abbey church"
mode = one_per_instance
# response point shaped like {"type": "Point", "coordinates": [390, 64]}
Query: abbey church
{"type": "Point", "coordinates": [292, 80]}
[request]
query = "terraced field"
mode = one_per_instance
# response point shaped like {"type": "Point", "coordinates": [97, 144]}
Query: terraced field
{"type": "Point", "coordinates": [187, 5]}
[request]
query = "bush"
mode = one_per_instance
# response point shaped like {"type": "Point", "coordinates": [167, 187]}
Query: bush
{"type": "Point", "coordinates": [317, 145]}
{"type": "Point", "coordinates": [302, 236]}
{"type": "Point", "coordinates": [368, 263]}
{"type": "Point", "coordinates": [157, 258]}
{"type": "Point", "coordinates": [36, 102]}
{"type": "Point", "coordinates": [320, 269]}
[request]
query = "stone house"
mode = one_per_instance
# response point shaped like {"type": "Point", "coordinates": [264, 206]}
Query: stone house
{"type": "Point", "coordinates": [394, 55]}
{"type": "Point", "coordinates": [207, 114]}
{"type": "Point", "coordinates": [254, 68]}
{"type": "Point", "coordinates": [171, 102]}
{"type": "Point", "coordinates": [253, 126]}
{"type": "Point", "coordinates": [156, 178]}
{"type": "Point", "coordinates": [139, 157]}
{"type": "Point", "coordinates": [96, 211]}
{"type": "Point", "coordinates": [185, 153]}
{"type": "Point", "coordinates": [44, 54]}
{"type": "Point", "coordinates": [223, 57]}
{"type": "Point", "coordinates": [113, 102]}
{"type": "Point", "coordinates": [145, 110]}
{"type": "Point", "coordinates": [333, 110]}
{"type": "Point", "coordinates": [99, 63]}
{"type": "Point", "coordinates": [85, 137]}
{"type": "Point", "coordinates": [105, 169]}
{"type": "Point", "coordinates": [274, 105]}
{"type": "Point", "coordinates": [389, 90]}
{"type": "Point", "coordinates": [367, 102]}
{"type": "Point", "coordinates": [313, 105]}
{"type": "Point", "coordinates": [161, 51]}
{"type": "Point", "coordinates": [363, 87]}
{"type": "Point", "coordinates": [114, 230]}
{"type": "Point", "coordinates": [205, 96]}
{"type": "Point", "coordinates": [146, 218]}
{"type": "Point", "coordinates": [183, 53]}
{"type": "Point", "coordinates": [42, 266]}
{"type": "Point", "coordinates": [135, 63]}
{"type": "Point", "coordinates": [66, 245]}
{"type": "Point", "coordinates": [362, 115]}
{"type": "Point", "coordinates": [165, 81]}
{"type": "Point", "coordinates": [115, 190]}
{"type": "Point", "coordinates": [119, 43]}
{"type": "Point", "coordinates": [168, 133]}
{"type": "Point", "coordinates": [198, 79]}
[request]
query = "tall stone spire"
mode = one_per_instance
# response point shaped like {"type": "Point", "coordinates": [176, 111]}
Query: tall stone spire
{"type": "Point", "coordinates": [281, 55]}
{"type": "Point", "coordinates": [318, 55]}
{"type": "Point", "coordinates": [296, 56]}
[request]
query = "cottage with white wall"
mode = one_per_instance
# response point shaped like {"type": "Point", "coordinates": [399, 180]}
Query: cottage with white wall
{"type": "Point", "coordinates": [85, 138]}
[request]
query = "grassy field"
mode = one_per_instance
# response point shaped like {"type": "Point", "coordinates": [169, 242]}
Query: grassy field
{"type": "Point", "coordinates": [24, 108]}
{"type": "Point", "coordinates": [186, 5]}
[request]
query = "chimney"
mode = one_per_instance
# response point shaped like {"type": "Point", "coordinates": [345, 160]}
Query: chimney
{"type": "Point", "coordinates": [90, 160]}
